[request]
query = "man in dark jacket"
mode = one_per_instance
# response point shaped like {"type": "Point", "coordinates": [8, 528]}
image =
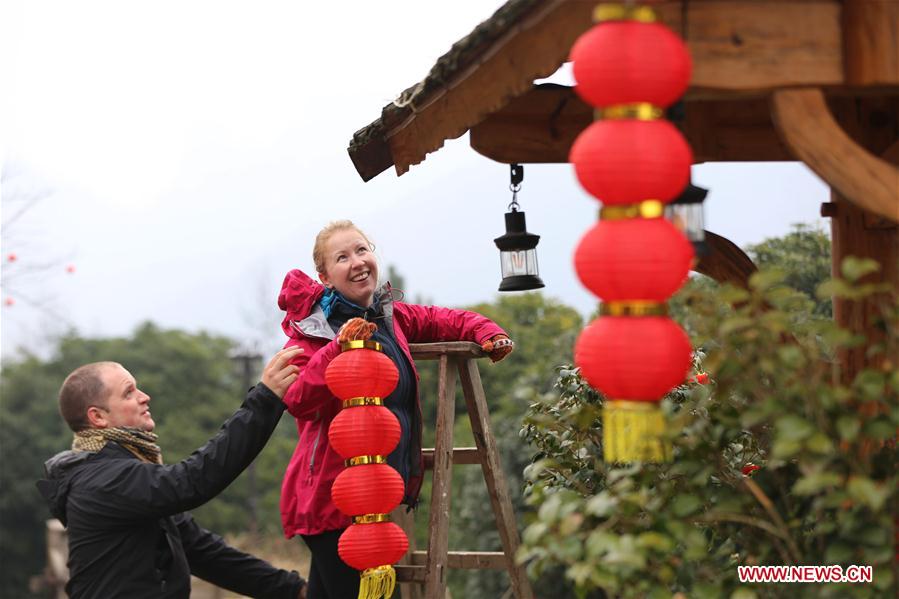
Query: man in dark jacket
{"type": "Point", "coordinates": [130, 535]}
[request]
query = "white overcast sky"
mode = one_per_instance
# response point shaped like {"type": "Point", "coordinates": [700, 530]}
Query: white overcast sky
{"type": "Point", "coordinates": [186, 153]}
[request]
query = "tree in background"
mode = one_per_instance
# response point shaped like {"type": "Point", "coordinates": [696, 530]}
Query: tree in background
{"type": "Point", "coordinates": [804, 257]}
{"type": "Point", "coordinates": [27, 260]}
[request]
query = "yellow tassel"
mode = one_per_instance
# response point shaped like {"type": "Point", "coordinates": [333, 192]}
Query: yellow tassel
{"type": "Point", "coordinates": [633, 431]}
{"type": "Point", "coordinates": [377, 583]}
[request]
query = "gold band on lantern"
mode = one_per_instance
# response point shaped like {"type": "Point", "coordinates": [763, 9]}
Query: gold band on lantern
{"type": "Point", "coordinates": [633, 308]}
{"type": "Point", "coordinates": [644, 209]}
{"type": "Point", "coordinates": [641, 111]}
{"type": "Point", "coordinates": [360, 344]}
{"type": "Point", "coordinates": [621, 12]}
{"type": "Point", "coordinates": [364, 460]}
{"type": "Point", "coordinates": [371, 518]}
{"type": "Point", "coordinates": [628, 405]}
{"type": "Point", "coordinates": [354, 402]}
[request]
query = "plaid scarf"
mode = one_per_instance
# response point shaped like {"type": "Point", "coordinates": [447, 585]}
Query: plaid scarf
{"type": "Point", "coordinates": [141, 443]}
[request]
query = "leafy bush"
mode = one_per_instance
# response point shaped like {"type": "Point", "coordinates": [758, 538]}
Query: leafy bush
{"type": "Point", "coordinates": [827, 491]}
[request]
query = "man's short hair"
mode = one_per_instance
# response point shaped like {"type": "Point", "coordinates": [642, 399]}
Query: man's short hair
{"type": "Point", "coordinates": [82, 389]}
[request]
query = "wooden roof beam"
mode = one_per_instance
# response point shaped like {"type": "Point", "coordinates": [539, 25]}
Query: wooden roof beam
{"type": "Point", "coordinates": [810, 130]}
{"type": "Point", "coordinates": [725, 262]}
{"type": "Point", "coordinates": [541, 125]}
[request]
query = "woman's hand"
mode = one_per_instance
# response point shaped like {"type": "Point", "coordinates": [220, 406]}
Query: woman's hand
{"type": "Point", "coordinates": [498, 347]}
{"type": "Point", "coordinates": [356, 329]}
{"type": "Point", "coordinates": [279, 373]}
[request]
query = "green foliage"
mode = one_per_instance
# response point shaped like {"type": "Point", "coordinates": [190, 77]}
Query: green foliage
{"type": "Point", "coordinates": [804, 256]}
{"type": "Point", "coordinates": [194, 387]}
{"type": "Point", "coordinates": [827, 491]}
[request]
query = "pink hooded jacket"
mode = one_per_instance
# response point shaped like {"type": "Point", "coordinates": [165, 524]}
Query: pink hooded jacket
{"type": "Point", "coordinates": [306, 506]}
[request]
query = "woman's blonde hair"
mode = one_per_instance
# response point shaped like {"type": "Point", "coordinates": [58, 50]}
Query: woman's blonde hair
{"type": "Point", "coordinates": [318, 250]}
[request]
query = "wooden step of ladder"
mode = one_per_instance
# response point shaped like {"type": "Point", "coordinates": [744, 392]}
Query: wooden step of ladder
{"type": "Point", "coordinates": [426, 570]}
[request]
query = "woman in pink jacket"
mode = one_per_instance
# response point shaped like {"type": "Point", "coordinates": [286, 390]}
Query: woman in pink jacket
{"type": "Point", "coordinates": [316, 313]}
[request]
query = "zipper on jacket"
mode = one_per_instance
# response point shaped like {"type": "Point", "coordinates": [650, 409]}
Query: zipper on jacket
{"type": "Point", "coordinates": [318, 436]}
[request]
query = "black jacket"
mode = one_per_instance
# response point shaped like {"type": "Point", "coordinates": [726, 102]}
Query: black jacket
{"type": "Point", "coordinates": [129, 533]}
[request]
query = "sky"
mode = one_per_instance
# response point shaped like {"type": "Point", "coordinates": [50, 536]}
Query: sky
{"type": "Point", "coordinates": [181, 156]}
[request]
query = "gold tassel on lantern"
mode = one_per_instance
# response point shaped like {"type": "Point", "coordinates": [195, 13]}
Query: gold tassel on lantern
{"type": "Point", "coordinates": [634, 431]}
{"type": "Point", "coordinates": [377, 583]}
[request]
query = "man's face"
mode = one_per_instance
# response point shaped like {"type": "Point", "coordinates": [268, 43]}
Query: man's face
{"type": "Point", "coordinates": [126, 405]}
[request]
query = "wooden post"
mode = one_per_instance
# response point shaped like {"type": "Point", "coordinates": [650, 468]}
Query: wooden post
{"type": "Point", "coordinates": [493, 474]}
{"type": "Point", "coordinates": [857, 232]}
{"type": "Point", "coordinates": [57, 570]}
{"type": "Point", "coordinates": [870, 43]}
{"type": "Point", "coordinates": [443, 477]}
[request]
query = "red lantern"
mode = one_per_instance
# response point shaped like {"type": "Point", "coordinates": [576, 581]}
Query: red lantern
{"type": "Point", "coordinates": [364, 430]}
{"type": "Point", "coordinates": [364, 546]}
{"type": "Point", "coordinates": [361, 373]}
{"type": "Point", "coordinates": [633, 259]}
{"type": "Point", "coordinates": [369, 489]}
{"type": "Point", "coordinates": [626, 62]}
{"type": "Point", "coordinates": [367, 547]}
{"type": "Point", "coordinates": [633, 358]}
{"type": "Point", "coordinates": [628, 161]}
{"type": "Point", "coordinates": [631, 68]}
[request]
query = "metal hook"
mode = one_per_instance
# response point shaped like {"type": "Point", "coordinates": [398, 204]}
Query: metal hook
{"type": "Point", "coordinates": [516, 176]}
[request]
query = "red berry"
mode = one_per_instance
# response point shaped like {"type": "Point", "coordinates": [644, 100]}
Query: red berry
{"type": "Point", "coordinates": [750, 468]}
{"type": "Point", "coordinates": [701, 379]}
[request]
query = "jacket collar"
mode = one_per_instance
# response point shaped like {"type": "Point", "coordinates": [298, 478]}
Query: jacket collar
{"type": "Point", "coordinates": [299, 298]}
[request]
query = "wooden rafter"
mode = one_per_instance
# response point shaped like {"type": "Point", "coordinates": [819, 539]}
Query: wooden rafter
{"type": "Point", "coordinates": [810, 130]}
{"type": "Point", "coordinates": [541, 125]}
{"type": "Point", "coordinates": [725, 262]}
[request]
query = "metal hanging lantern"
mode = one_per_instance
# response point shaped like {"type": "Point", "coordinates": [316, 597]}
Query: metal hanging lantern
{"type": "Point", "coordinates": [686, 213]}
{"type": "Point", "coordinates": [517, 247]}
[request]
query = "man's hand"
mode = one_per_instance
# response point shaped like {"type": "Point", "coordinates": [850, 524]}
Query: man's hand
{"type": "Point", "coordinates": [498, 347]}
{"type": "Point", "coordinates": [356, 329]}
{"type": "Point", "coordinates": [279, 373]}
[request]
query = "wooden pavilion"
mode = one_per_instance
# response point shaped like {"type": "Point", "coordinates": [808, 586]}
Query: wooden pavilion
{"type": "Point", "coordinates": [773, 80]}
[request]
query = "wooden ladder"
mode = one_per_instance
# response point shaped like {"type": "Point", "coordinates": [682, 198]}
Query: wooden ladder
{"type": "Point", "coordinates": [427, 570]}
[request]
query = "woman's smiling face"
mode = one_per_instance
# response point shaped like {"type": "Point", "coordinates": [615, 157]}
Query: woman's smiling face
{"type": "Point", "coordinates": [350, 266]}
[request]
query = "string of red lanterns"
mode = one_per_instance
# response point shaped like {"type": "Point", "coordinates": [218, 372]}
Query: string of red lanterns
{"type": "Point", "coordinates": [631, 68]}
{"type": "Point", "coordinates": [364, 433]}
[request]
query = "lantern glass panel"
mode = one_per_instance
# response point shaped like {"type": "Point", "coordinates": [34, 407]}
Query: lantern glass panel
{"type": "Point", "coordinates": [519, 262]}
{"type": "Point", "coordinates": [688, 218]}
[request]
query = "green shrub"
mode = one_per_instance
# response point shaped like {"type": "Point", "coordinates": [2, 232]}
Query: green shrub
{"type": "Point", "coordinates": [827, 491]}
